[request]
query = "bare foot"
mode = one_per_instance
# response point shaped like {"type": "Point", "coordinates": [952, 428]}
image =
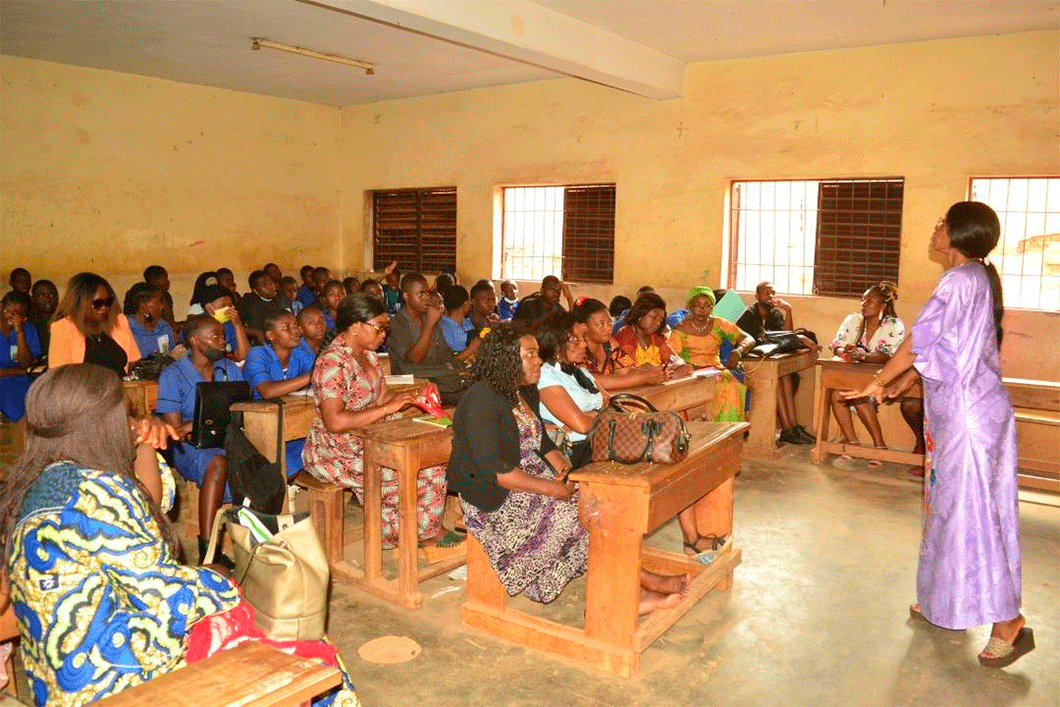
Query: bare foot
{"type": "Point", "coordinates": [663, 584]}
{"type": "Point", "coordinates": [653, 601]}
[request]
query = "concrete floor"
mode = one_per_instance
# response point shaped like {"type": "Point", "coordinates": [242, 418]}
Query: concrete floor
{"type": "Point", "coordinates": [818, 616]}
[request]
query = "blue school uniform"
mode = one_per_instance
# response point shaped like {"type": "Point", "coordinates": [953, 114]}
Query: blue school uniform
{"type": "Point", "coordinates": [306, 296]}
{"type": "Point", "coordinates": [262, 365]}
{"type": "Point", "coordinates": [176, 393]}
{"type": "Point", "coordinates": [456, 334]}
{"type": "Point", "coordinates": [307, 351]}
{"type": "Point", "coordinates": [392, 298]}
{"type": "Point", "coordinates": [152, 340]}
{"type": "Point", "coordinates": [13, 389]}
{"type": "Point", "coordinates": [506, 310]}
{"type": "Point", "coordinates": [328, 321]}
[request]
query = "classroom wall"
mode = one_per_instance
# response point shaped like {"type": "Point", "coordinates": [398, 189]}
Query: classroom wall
{"type": "Point", "coordinates": [934, 112]}
{"type": "Point", "coordinates": [111, 172]}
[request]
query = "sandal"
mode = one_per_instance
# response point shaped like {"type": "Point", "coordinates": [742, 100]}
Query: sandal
{"type": "Point", "coordinates": [716, 542]}
{"type": "Point", "coordinates": [1006, 653]}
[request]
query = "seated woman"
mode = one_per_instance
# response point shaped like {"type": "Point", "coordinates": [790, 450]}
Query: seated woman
{"type": "Point", "coordinates": [641, 341]}
{"type": "Point", "coordinates": [88, 328]}
{"type": "Point", "coordinates": [350, 392]}
{"type": "Point", "coordinates": [697, 340]}
{"type": "Point", "coordinates": [278, 367]}
{"type": "Point", "coordinates": [217, 304]}
{"type": "Point", "coordinates": [103, 603]}
{"type": "Point", "coordinates": [314, 331]}
{"type": "Point", "coordinates": [330, 295]}
{"type": "Point", "coordinates": [198, 291]}
{"type": "Point", "coordinates": [143, 306]}
{"type": "Point", "coordinates": [205, 361]}
{"type": "Point", "coordinates": [872, 336]}
{"type": "Point", "coordinates": [512, 481]}
{"type": "Point", "coordinates": [19, 348]}
{"type": "Point", "coordinates": [570, 395]}
{"type": "Point", "coordinates": [594, 315]}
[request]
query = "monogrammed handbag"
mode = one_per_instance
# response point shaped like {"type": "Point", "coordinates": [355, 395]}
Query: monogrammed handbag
{"type": "Point", "coordinates": [630, 430]}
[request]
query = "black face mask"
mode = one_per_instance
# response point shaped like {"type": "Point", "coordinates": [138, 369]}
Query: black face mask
{"type": "Point", "coordinates": [213, 354]}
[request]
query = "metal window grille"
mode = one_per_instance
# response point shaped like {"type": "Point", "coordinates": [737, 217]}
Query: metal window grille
{"type": "Point", "coordinates": [1027, 256]}
{"type": "Point", "coordinates": [567, 231]}
{"type": "Point", "coordinates": [828, 237]}
{"type": "Point", "coordinates": [416, 227]}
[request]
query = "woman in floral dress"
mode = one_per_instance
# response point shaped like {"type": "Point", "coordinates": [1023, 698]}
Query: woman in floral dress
{"type": "Point", "coordinates": [350, 392]}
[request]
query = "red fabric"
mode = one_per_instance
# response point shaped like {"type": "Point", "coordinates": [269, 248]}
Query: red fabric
{"type": "Point", "coordinates": [221, 632]}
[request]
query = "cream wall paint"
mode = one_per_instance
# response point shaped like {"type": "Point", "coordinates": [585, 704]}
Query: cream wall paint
{"type": "Point", "coordinates": [934, 112]}
{"type": "Point", "coordinates": [110, 172]}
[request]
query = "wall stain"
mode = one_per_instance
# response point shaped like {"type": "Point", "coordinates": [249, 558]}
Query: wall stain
{"type": "Point", "coordinates": [83, 136]}
{"type": "Point", "coordinates": [78, 100]}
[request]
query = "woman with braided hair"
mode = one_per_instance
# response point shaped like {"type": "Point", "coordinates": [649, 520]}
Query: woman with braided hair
{"type": "Point", "coordinates": [872, 336]}
{"type": "Point", "coordinates": [512, 479]}
{"type": "Point", "coordinates": [969, 571]}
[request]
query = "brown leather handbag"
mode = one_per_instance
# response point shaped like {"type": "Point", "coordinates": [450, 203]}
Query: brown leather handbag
{"type": "Point", "coordinates": [630, 430]}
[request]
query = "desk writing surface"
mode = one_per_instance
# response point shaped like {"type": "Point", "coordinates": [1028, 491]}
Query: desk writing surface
{"type": "Point", "coordinates": [405, 429]}
{"type": "Point", "coordinates": [704, 434]}
{"type": "Point", "coordinates": [839, 374]}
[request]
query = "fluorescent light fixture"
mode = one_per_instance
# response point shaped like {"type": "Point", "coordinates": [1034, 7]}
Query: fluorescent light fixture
{"type": "Point", "coordinates": [258, 43]}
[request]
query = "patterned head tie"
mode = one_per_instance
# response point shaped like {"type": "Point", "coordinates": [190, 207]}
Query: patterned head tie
{"type": "Point", "coordinates": [704, 291]}
{"type": "Point", "coordinates": [889, 290]}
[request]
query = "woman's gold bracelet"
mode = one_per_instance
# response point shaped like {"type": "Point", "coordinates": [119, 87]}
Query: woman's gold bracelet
{"type": "Point", "coordinates": [877, 381]}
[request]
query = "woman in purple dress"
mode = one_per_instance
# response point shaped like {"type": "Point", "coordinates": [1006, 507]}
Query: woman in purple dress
{"type": "Point", "coordinates": [969, 571]}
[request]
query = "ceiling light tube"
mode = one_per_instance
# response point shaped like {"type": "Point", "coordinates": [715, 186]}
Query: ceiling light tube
{"type": "Point", "coordinates": [258, 43]}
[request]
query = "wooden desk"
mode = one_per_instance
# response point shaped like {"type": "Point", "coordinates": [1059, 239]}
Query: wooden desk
{"type": "Point", "coordinates": [692, 397]}
{"type": "Point", "coordinates": [296, 415]}
{"type": "Point", "coordinates": [837, 374]}
{"type": "Point", "coordinates": [406, 445]}
{"type": "Point", "coordinates": [1037, 409]}
{"type": "Point", "coordinates": [619, 504]}
{"type": "Point", "coordinates": [142, 396]}
{"type": "Point", "coordinates": [762, 377]}
{"type": "Point", "coordinates": [249, 675]}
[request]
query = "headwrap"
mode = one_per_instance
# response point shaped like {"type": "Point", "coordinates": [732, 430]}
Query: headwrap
{"type": "Point", "coordinates": [889, 290]}
{"type": "Point", "coordinates": [702, 290]}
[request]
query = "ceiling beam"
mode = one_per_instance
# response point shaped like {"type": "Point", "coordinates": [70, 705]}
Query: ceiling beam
{"type": "Point", "coordinates": [533, 34]}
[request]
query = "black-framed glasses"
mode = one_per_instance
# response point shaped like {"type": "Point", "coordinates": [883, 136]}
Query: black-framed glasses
{"type": "Point", "coordinates": [103, 303]}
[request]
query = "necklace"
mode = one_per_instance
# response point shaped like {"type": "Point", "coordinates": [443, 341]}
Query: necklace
{"type": "Point", "coordinates": [700, 330]}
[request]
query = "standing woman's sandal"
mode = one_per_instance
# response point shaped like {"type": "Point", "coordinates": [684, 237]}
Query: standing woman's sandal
{"type": "Point", "coordinates": [1003, 653]}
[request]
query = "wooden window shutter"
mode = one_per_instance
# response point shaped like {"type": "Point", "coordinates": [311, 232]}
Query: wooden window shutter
{"type": "Point", "coordinates": [589, 233]}
{"type": "Point", "coordinates": [859, 229]}
{"type": "Point", "coordinates": [416, 227]}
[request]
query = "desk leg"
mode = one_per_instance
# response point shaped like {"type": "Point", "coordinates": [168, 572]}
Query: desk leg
{"type": "Point", "coordinates": [763, 418]}
{"type": "Point", "coordinates": [408, 533]}
{"type": "Point", "coordinates": [714, 515]}
{"type": "Point", "coordinates": [824, 416]}
{"type": "Point", "coordinates": [373, 512]}
{"type": "Point", "coordinates": [612, 591]}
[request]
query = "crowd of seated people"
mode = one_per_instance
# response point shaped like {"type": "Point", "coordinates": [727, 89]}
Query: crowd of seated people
{"type": "Point", "coordinates": [526, 376]}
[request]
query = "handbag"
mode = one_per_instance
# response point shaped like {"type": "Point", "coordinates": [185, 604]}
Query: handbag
{"type": "Point", "coordinates": [212, 400]}
{"type": "Point", "coordinates": [150, 367]}
{"type": "Point", "coordinates": [250, 474]}
{"type": "Point", "coordinates": [643, 435]}
{"type": "Point", "coordinates": [281, 568]}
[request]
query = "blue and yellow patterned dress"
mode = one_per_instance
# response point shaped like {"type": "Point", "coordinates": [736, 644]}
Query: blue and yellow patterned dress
{"type": "Point", "coordinates": [101, 602]}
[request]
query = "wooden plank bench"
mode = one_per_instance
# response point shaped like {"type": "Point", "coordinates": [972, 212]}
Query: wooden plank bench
{"type": "Point", "coordinates": [619, 504]}
{"type": "Point", "coordinates": [1037, 408]}
{"type": "Point", "coordinates": [249, 675]}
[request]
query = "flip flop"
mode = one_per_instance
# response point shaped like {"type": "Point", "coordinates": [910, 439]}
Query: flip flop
{"type": "Point", "coordinates": [1008, 653]}
{"type": "Point", "coordinates": [715, 543]}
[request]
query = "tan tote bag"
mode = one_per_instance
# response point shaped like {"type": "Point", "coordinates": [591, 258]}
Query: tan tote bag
{"type": "Point", "coordinates": [282, 569]}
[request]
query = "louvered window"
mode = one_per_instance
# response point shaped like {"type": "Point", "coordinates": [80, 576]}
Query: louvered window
{"type": "Point", "coordinates": [567, 231]}
{"type": "Point", "coordinates": [416, 227]}
{"type": "Point", "coordinates": [828, 237]}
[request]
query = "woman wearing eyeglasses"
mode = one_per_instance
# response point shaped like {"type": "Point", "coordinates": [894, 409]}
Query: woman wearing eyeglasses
{"type": "Point", "coordinates": [88, 327]}
{"type": "Point", "coordinates": [350, 392]}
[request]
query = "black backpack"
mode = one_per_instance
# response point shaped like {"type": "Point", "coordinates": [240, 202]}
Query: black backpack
{"type": "Point", "coordinates": [250, 474]}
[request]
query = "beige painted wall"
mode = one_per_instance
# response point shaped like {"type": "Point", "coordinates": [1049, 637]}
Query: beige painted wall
{"type": "Point", "coordinates": [110, 172]}
{"type": "Point", "coordinates": [933, 112]}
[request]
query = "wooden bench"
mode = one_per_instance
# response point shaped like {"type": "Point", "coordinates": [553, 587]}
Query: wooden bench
{"type": "Point", "coordinates": [1037, 408]}
{"type": "Point", "coordinates": [762, 377]}
{"type": "Point", "coordinates": [249, 675]}
{"type": "Point", "coordinates": [142, 397]}
{"type": "Point", "coordinates": [619, 504]}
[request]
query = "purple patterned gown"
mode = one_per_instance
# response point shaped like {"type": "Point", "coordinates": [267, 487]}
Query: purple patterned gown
{"type": "Point", "coordinates": [969, 571]}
